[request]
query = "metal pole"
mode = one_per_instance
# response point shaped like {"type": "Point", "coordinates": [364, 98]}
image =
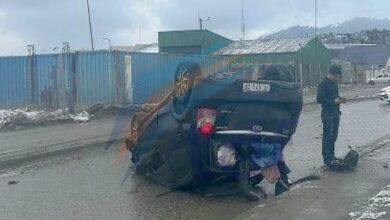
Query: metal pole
{"type": "Point", "coordinates": [109, 42]}
{"type": "Point", "coordinates": [301, 65]}
{"type": "Point", "coordinates": [90, 26]}
{"type": "Point", "coordinates": [315, 19]}
{"type": "Point", "coordinates": [243, 19]}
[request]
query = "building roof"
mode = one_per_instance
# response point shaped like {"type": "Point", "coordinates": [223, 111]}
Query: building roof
{"type": "Point", "coordinates": [143, 48]}
{"type": "Point", "coordinates": [342, 46]}
{"type": "Point", "coordinates": [191, 42]}
{"type": "Point", "coordinates": [263, 46]}
{"type": "Point", "coordinates": [365, 56]}
{"type": "Point", "coordinates": [151, 48]}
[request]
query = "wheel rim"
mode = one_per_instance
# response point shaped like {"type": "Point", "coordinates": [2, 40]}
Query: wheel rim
{"type": "Point", "coordinates": [182, 82]}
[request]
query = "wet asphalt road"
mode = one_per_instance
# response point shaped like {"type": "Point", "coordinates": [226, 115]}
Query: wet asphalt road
{"type": "Point", "coordinates": [87, 184]}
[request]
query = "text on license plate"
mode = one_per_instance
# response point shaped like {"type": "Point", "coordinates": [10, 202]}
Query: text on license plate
{"type": "Point", "coordinates": [256, 87]}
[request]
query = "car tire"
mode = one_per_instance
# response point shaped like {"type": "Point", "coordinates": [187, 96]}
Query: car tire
{"type": "Point", "coordinates": [183, 85]}
{"type": "Point", "coordinates": [371, 83]}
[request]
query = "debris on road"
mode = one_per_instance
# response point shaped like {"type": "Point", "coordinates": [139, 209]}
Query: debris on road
{"type": "Point", "coordinates": [13, 182]}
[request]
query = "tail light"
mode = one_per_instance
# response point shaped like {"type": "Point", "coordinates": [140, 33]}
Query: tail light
{"type": "Point", "coordinates": [205, 120]}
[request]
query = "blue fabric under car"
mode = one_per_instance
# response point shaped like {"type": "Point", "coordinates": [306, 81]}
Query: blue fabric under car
{"type": "Point", "coordinates": [266, 154]}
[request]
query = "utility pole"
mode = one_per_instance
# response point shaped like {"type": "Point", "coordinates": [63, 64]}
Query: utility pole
{"type": "Point", "coordinates": [65, 47]}
{"type": "Point", "coordinates": [301, 66]}
{"type": "Point", "coordinates": [90, 26]}
{"type": "Point", "coordinates": [315, 19]}
{"type": "Point", "coordinates": [201, 22]}
{"type": "Point", "coordinates": [243, 19]}
{"type": "Point", "coordinates": [31, 49]}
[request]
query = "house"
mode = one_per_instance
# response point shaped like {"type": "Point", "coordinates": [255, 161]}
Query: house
{"type": "Point", "coordinates": [308, 58]}
{"type": "Point", "coordinates": [369, 60]}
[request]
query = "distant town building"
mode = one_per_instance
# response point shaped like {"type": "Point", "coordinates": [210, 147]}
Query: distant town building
{"type": "Point", "coordinates": [335, 49]}
{"type": "Point", "coordinates": [366, 61]}
{"type": "Point", "coordinates": [191, 42]}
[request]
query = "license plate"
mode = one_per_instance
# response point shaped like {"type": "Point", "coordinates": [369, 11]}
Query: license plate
{"type": "Point", "coordinates": [256, 87]}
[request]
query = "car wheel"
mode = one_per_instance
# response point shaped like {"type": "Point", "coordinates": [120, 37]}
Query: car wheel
{"type": "Point", "coordinates": [183, 84]}
{"type": "Point", "coordinates": [371, 83]}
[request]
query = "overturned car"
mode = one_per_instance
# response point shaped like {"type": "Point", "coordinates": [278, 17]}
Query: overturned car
{"type": "Point", "coordinates": [226, 125]}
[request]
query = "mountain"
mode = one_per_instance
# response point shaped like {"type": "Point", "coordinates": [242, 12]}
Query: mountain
{"type": "Point", "coordinates": [351, 26]}
{"type": "Point", "coordinates": [293, 32]}
{"type": "Point", "coordinates": [356, 25]}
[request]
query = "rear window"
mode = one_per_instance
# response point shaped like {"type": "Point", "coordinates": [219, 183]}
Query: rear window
{"type": "Point", "coordinates": [275, 72]}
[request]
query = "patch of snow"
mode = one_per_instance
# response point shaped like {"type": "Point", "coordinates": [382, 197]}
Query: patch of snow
{"type": "Point", "coordinates": [374, 209]}
{"type": "Point", "coordinates": [81, 117]}
{"type": "Point", "coordinates": [23, 116]}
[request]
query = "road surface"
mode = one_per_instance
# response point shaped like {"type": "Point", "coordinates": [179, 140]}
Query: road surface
{"type": "Point", "coordinates": [88, 184]}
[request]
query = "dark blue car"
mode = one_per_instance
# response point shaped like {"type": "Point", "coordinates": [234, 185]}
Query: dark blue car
{"type": "Point", "coordinates": [210, 125]}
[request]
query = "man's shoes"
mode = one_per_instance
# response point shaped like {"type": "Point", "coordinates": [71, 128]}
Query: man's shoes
{"type": "Point", "coordinates": [338, 166]}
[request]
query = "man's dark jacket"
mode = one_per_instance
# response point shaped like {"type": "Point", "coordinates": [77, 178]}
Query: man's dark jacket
{"type": "Point", "coordinates": [327, 92]}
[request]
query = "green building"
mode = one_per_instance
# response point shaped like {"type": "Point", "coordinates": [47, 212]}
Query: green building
{"type": "Point", "coordinates": [306, 57]}
{"type": "Point", "coordinates": [191, 42]}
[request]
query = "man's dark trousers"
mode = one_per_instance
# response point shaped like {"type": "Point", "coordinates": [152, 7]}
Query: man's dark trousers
{"type": "Point", "coordinates": [330, 122]}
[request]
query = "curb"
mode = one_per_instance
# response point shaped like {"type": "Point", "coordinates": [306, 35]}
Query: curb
{"type": "Point", "coordinates": [38, 153]}
{"type": "Point", "coordinates": [354, 99]}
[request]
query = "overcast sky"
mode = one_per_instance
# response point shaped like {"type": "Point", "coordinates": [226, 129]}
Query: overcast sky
{"type": "Point", "coordinates": [48, 23]}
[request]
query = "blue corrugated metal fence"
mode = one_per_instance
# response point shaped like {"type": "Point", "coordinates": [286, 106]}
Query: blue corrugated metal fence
{"type": "Point", "coordinates": [85, 78]}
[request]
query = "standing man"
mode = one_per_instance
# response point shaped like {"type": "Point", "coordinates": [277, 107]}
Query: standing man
{"type": "Point", "coordinates": [328, 97]}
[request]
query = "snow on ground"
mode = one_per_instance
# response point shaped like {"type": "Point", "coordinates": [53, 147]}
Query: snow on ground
{"type": "Point", "coordinates": [375, 208]}
{"type": "Point", "coordinates": [81, 117]}
{"type": "Point", "coordinates": [25, 116]}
